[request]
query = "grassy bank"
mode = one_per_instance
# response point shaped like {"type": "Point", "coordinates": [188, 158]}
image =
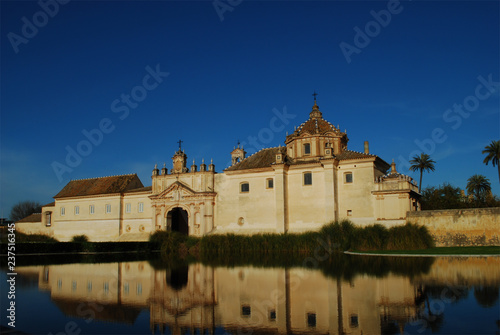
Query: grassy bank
{"type": "Point", "coordinates": [487, 250]}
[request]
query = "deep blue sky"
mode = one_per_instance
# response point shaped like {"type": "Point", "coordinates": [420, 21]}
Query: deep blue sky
{"type": "Point", "coordinates": [227, 76]}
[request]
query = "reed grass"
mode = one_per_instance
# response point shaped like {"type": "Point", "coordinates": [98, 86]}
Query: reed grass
{"type": "Point", "coordinates": [333, 237]}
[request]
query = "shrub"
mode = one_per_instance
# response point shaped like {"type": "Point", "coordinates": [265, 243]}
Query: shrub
{"type": "Point", "coordinates": [372, 238]}
{"type": "Point", "coordinates": [409, 237]}
{"type": "Point", "coordinates": [80, 239]}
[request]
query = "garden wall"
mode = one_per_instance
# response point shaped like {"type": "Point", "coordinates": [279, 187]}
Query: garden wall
{"type": "Point", "coordinates": [460, 227]}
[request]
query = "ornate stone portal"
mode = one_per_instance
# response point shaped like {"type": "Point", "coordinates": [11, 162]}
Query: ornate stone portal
{"type": "Point", "coordinates": [183, 197]}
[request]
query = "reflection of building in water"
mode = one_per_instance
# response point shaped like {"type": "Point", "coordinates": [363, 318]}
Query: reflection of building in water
{"type": "Point", "coordinates": [183, 298]}
{"type": "Point", "coordinates": [243, 299]}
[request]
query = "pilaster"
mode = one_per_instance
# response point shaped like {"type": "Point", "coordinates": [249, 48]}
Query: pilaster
{"type": "Point", "coordinates": [281, 201]}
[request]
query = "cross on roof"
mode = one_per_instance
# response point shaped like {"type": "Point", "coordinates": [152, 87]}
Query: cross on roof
{"type": "Point", "coordinates": [315, 94]}
{"type": "Point", "coordinates": [180, 142]}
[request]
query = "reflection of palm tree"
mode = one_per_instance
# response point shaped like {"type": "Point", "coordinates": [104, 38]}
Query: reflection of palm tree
{"type": "Point", "coordinates": [493, 155]}
{"type": "Point", "coordinates": [433, 321]}
{"type": "Point", "coordinates": [486, 296]}
{"type": "Point", "coordinates": [422, 163]}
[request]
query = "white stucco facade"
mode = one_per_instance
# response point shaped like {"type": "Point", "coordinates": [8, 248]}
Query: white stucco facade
{"type": "Point", "coordinates": [312, 180]}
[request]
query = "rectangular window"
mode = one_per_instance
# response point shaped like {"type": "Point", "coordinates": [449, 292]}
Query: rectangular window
{"type": "Point", "coordinates": [59, 283]}
{"type": "Point", "coordinates": [108, 208]}
{"type": "Point", "coordinates": [141, 207]}
{"type": "Point", "coordinates": [348, 177]}
{"type": "Point", "coordinates": [307, 149]}
{"type": "Point", "coordinates": [349, 212]}
{"type": "Point", "coordinates": [77, 210]}
{"type": "Point", "coordinates": [272, 315]}
{"type": "Point", "coordinates": [308, 178]}
{"type": "Point", "coordinates": [270, 183]}
{"type": "Point", "coordinates": [89, 286]}
{"type": "Point", "coordinates": [48, 219]}
{"type": "Point", "coordinates": [63, 211]}
{"type": "Point", "coordinates": [126, 288]}
{"type": "Point", "coordinates": [244, 187]}
{"type": "Point", "coordinates": [354, 321]}
{"type": "Point", "coordinates": [73, 285]}
{"type": "Point", "coordinates": [106, 288]}
{"type": "Point", "coordinates": [91, 209]}
{"type": "Point", "coordinates": [139, 289]}
{"type": "Point", "coordinates": [128, 208]}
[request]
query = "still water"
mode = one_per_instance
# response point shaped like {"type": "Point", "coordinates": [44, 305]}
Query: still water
{"type": "Point", "coordinates": [408, 296]}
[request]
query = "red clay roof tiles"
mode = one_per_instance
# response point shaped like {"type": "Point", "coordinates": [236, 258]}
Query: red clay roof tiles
{"type": "Point", "coordinates": [104, 185]}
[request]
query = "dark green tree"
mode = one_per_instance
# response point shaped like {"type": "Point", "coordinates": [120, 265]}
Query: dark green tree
{"type": "Point", "coordinates": [493, 155]}
{"type": "Point", "coordinates": [446, 196]}
{"type": "Point", "coordinates": [422, 163]}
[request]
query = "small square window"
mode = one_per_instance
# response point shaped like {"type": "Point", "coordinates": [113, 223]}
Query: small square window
{"type": "Point", "coordinates": [307, 149]}
{"type": "Point", "coordinates": [245, 310]}
{"type": "Point", "coordinates": [270, 183]}
{"type": "Point", "coordinates": [128, 208]}
{"type": "Point", "coordinates": [308, 178]}
{"type": "Point", "coordinates": [348, 177]}
{"type": "Point", "coordinates": [245, 187]}
{"type": "Point", "coordinates": [311, 320]}
{"type": "Point", "coordinates": [272, 315]}
{"type": "Point", "coordinates": [349, 212]}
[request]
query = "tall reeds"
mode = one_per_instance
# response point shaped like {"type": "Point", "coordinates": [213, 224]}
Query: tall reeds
{"type": "Point", "coordinates": [333, 237]}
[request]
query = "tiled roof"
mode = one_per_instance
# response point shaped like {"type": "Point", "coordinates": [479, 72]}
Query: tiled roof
{"type": "Point", "coordinates": [316, 126]}
{"type": "Point", "coordinates": [52, 204]}
{"type": "Point", "coordinates": [261, 159]}
{"type": "Point", "coordinates": [141, 189]}
{"type": "Point", "coordinates": [35, 217]}
{"type": "Point", "coordinates": [103, 185]}
{"type": "Point", "coordinates": [349, 154]}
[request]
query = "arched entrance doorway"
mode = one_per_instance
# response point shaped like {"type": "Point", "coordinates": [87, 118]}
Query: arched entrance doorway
{"type": "Point", "coordinates": [177, 220]}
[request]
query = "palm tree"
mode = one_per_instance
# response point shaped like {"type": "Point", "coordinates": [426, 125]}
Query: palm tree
{"type": "Point", "coordinates": [478, 185]}
{"type": "Point", "coordinates": [493, 155]}
{"type": "Point", "coordinates": [422, 163]}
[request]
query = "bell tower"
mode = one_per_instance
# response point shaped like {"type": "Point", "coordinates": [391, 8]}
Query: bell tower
{"type": "Point", "coordinates": [237, 155]}
{"type": "Point", "coordinates": [179, 161]}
